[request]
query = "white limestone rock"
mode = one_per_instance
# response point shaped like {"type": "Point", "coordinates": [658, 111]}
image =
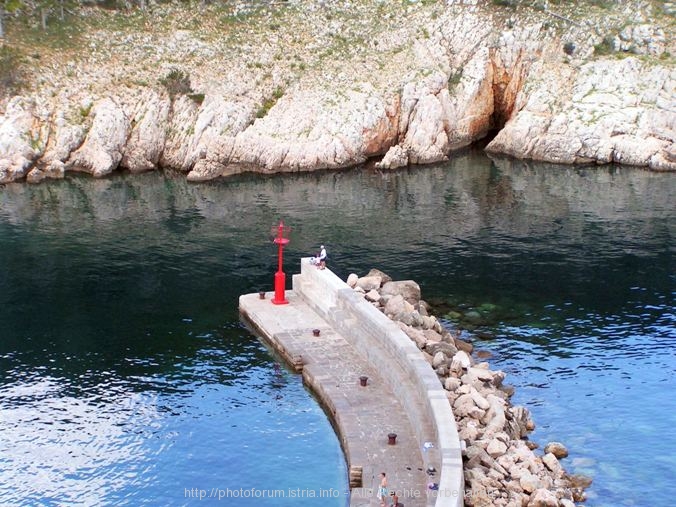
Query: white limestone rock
{"type": "Point", "coordinates": [373, 296]}
{"type": "Point", "coordinates": [431, 335]}
{"type": "Point", "coordinates": [369, 282]}
{"type": "Point", "coordinates": [408, 289]}
{"type": "Point", "coordinates": [614, 111]}
{"type": "Point", "coordinates": [439, 359]}
{"type": "Point", "coordinates": [552, 464]}
{"type": "Point", "coordinates": [528, 482]}
{"type": "Point", "coordinates": [395, 305]}
{"type": "Point", "coordinates": [480, 401]}
{"type": "Point", "coordinates": [451, 383]}
{"type": "Point", "coordinates": [543, 498]}
{"type": "Point", "coordinates": [17, 129]}
{"type": "Point", "coordinates": [496, 448]}
{"type": "Point", "coordinates": [463, 359]}
{"type": "Point", "coordinates": [352, 280]}
{"type": "Point", "coordinates": [147, 138]}
{"type": "Point", "coordinates": [396, 156]}
{"type": "Point", "coordinates": [101, 151]}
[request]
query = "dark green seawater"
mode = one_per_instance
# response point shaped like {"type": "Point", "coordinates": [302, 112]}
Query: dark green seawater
{"type": "Point", "coordinates": [128, 379]}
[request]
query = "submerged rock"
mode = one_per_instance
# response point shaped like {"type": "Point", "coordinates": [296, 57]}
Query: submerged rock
{"type": "Point", "coordinates": [557, 449]}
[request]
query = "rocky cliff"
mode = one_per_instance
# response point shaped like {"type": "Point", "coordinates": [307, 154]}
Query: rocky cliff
{"type": "Point", "coordinates": [309, 85]}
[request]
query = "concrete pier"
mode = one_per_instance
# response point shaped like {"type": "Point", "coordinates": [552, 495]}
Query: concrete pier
{"type": "Point", "coordinates": [333, 338]}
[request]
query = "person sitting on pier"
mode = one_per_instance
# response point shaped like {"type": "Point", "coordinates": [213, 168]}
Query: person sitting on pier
{"type": "Point", "coordinates": [319, 260]}
{"type": "Point", "coordinates": [322, 257]}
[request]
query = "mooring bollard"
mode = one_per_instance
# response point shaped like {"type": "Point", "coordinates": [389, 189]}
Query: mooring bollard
{"type": "Point", "coordinates": [363, 380]}
{"type": "Point", "coordinates": [392, 438]}
{"type": "Point", "coordinates": [315, 332]}
{"type": "Point", "coordinates": [261, 295]}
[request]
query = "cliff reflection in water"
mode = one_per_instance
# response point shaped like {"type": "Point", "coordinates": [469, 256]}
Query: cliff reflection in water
{"type": "Point", "coordinates": [474, 220]}
{"type": "Point", "coordinates": [468, 194]}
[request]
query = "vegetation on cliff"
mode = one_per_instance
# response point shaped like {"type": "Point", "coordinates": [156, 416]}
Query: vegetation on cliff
{"type": "Point", "coordinates": [425, 77]}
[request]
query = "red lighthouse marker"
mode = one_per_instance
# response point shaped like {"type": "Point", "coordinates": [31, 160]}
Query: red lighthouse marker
{"type": "Point", "coordinates": [280, 278]}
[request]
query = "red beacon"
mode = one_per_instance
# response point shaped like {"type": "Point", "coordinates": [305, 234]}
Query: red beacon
{"type": "Point", "coordinates": [280, 240]}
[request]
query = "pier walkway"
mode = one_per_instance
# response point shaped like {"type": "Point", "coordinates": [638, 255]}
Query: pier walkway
{"type": "Point", "coordinates": [332, 364]}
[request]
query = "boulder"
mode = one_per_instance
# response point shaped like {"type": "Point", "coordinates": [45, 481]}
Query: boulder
{"type": "Point", "coordinates": [434, 347]}
{"type": "Point", "coordinates": [451, 384]}
{"type": "Point", "coordinates": [383, 276]}
{"type": "Point", "coordinates": [396, 156]}
{"type": "Point", "coordinates": [557, 449]}
{"type": "Point", "coordinates": [408, 289]}
{"type": "Point", "coordinates": [433, 336]}
{"type": "Point", "coordinates": [481, 373]}
{"type": "Point", "coordinates": [480, 401]}
{"type": "Point", "coordinates": [463, 404]}
{"type": "Point", "coordinates": [414, 334]}
{"type": "Point", "coordinates": [552, 464]}
{"type": "Point", "coordinates": [395, 305]}
{"type": "Point", "coordinates": [543, 498]}
{"type": "Point", "coordinates": [580, 481]}
{"type": "Point", "coordinates": [463, 345]}
{"type": "Point", "coordinates": [528, 482]}
{"type": "Point", "coordinates": [498, 378]}
{"type": "Point", "coordinates": [456, 368]}
{"type": "Point", "coordinates": [463, 358]}
{"type": "Point", "coordinates": [408, 316]}
{"type": "Point", "coordinates": [369, 282]}
{"type": "Point", "coordinates": [469, 432]}
{"type": "Point", "coordinates": [428, 322]}
{"type": "Point", "coordinates": [438, 359]}
{"type": "Point", "coordinates": [496, 448]}
{"type": "Point", "coordinates": [373, 296]}
{"type": "Point", "coordinates": [352, 280]}
{"type": "Point", "coordinates": [496, 416]}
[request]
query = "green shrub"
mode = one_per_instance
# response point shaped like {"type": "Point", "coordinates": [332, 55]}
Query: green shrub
{"type": "Point", "coordinates": [269, 102]}
{"type": "Point", "coordinates": [605, 47]}
{"type": "Point", "coordinates": [454, 80]}
{"type": "Point", "coordinates": [197, 98]}
{"type": "Point", "coordinates": [177, 82]}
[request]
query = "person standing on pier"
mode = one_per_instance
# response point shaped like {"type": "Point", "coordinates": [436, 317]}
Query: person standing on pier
{"type": "Point", "coordinates": [382, 489]}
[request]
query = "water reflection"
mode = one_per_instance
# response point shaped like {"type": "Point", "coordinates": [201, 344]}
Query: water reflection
{"type": "Point", "coordinates": [118, 299]}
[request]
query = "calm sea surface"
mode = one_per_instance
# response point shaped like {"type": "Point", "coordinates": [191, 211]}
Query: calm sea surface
{"type": "Point", "coordinates": [127, 378]}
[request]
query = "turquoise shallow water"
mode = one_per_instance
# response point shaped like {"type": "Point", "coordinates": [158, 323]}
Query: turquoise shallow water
{"type": "Point", "coordinates": [127, 378]}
